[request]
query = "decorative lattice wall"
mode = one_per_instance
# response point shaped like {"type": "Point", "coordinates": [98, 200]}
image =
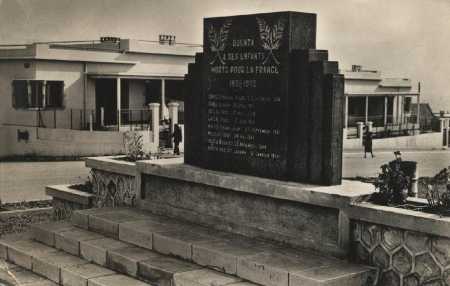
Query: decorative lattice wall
{"type": "Point", "coordinates": [403, 258]}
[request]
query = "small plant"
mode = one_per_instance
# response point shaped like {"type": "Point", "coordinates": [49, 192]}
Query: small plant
{"type": "Point", "coordinates": [392, 184]}
{"type": "Point", "coordinates": [134, 146]}
{"type": "Point", "coordinates": [87, 186]}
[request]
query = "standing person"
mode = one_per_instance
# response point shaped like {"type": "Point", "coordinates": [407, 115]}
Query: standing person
{"type": "Point", "coordinates": [177, 138]}
{"type": "Point", "coordinates": [367, 142]}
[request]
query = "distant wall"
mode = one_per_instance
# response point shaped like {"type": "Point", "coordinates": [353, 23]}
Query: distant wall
{"type": "Point", "coordinates": [64, 142]}
{"type": "Point", "coordinates": [422, 141]}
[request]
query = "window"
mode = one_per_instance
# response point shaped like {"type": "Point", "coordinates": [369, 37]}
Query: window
{"type": "Point", "coordinates": [20, 94]}
{"type": "Point", "coordinates": [407, 104]}
{"type": "Point", "coordinates": [37, 94]}
{"type": "Point", "coordinates": [54, 93]}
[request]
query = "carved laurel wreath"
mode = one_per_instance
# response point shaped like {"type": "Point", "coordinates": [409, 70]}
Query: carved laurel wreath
{"type": "Point", "coordinates": [218, 39]}
{"type": "Point", "coordinates": [271, 37]}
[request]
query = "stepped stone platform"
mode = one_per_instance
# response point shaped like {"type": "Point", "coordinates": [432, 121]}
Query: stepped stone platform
{"type": "Point", "coordinates": [123, 246]}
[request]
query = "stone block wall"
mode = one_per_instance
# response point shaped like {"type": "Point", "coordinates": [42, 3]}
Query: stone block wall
{"type": "Point", "coordinates": [297, 224]}
{"type": "Point", "coordinates": [403, 258]}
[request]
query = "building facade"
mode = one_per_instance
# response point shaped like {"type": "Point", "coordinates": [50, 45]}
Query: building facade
{"type": "Point", "coordinates": [383, 103]}
{"type": "Point", "coordinates": [108, 78]}
{"type": "Point", "coordinates": [100, 85]}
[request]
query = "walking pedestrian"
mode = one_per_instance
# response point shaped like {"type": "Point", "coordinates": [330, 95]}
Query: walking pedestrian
{"type": "Point", "coordinates": [367, 142]}
{"type": "Point", "coordinates": [177, 138]}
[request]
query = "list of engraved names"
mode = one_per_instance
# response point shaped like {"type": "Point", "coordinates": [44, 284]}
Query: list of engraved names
{"type": "Point", "coordinates": [238, 113]}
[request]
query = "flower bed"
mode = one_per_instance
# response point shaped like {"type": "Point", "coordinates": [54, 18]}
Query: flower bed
{"type": "Point", "coordinates": [66, 200]}
{"type": "Point", "coordinates": [16, 217]}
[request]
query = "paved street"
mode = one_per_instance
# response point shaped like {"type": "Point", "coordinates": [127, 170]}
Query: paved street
{"type": "Point", "coordinates": [27, 180]}
{"type": "Point", "coordinates": [429, 162]}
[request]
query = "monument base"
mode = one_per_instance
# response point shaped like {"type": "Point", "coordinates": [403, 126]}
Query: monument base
{"type": "Point", "coordinates": [300, 215]}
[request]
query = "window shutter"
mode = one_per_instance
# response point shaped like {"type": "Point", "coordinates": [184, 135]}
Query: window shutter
{"type": "Point", "coordinates": [14, 105]}
{"type": "Point", "coordinates": [20, 93]}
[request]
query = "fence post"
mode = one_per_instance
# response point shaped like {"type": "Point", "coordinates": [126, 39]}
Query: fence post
{"type": "Point", "coordinates": [71, 124]}
{"type": "Point", "coordinates": [102, 116]}
{"type": "Point", "coordinates": [154, 108]}
{"type": "Point", "coordinates": [81, 119]}
{"type": "Point", "coordinates": [91, 127]}
{"type": "Point", "coordinates": [142, 119]}
{"type": "Point", "coordinates": [54, 118]}
{"type": "Point", "coordinates": [173, 116]}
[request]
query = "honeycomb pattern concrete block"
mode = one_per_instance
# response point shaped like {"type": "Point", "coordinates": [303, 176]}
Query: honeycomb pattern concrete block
{"type": "Point", "coordinates": [362, 254]}
{"type": "Point", "coordinates": [440, 247]}
{"type": "Point", "coordinates": [411, 280]}
{"type": "Point", "coordinates": [380, 257]}
{"type": "Point", "coordinates": [392, 238]}
{"type": "Point", "coordinates": [433, 283]}
{"type": "Point", "coordinates": [356, 232]}
{"type": "Point", "coordinates": [426, 267]}
{"type": "Point", "coordinates": [389, 278]}
{"type": "Point", "coordinates": [417, 242]}
{"type": "Point", "coordinates": [370, 235]}
{"type": "Point", "coordinates": [411, 257]}
{"type": "Point", "coordinates": [402, 261]}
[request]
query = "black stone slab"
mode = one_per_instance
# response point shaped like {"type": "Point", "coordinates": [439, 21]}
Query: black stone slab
{"type": "Point", "coordinates": [256, 100]}
{"type": "Point", "coordinates": [248, 64]}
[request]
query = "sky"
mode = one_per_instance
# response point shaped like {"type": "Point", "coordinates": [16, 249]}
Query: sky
{"type": "Point", "coordinates": [401, 38]}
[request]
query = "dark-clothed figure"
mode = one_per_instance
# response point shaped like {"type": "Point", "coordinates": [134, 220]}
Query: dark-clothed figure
{"type": "Point", "coordinates": [367, 142]}
{"type": "Point", "coordinates": [177, 138]}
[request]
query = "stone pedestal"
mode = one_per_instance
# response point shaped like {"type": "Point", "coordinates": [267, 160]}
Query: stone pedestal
{"type": "Point", "coordinates": [173, 114]}
{"type": "Point", "coordinates": [302, 215]}
{"type": "Point", "coordinates": [370, 125]}
{"type": "Point", "coordinates": [360, 131]}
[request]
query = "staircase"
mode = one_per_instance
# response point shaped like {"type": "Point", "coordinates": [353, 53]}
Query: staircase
{"type": "Point", "coordinates": [122, 246]}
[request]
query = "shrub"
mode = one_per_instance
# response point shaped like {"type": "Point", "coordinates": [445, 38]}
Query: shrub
{"type": "Point", "coordinates": [392, 184]}
{"type": "Point", "coordinates": [134, 146]}
{"type": "Point", "coordinates": [438, 191]}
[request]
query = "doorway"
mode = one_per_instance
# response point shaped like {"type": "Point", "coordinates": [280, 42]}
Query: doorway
{"type": "Point", "coordinates": [106, 97]}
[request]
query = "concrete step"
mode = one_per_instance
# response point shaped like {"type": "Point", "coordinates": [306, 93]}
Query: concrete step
{"type": "Point", "coordinates": [123, 257]}
{"type": "Point", "coordinates": [256, 261]}
{"type": "Point", "coordinates": [32, 260]}
{"type": "Point", "coordinates": [11, 274]}
{"type": "Point", "coordinates": [163, 251]}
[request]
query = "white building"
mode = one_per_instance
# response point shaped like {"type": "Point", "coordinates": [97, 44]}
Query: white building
{"type": "Point", "coordinates": [386, 102]}
{"type": "Point", "coordinates": [103, 85]}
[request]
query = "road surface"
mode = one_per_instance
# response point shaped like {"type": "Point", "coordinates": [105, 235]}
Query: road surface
{"type": "Point", "coordinates": [429, 162]}
{"type": "Point", "coordinates": [21, 181]}
{"type": "Point", "coordinates": [26, 181]}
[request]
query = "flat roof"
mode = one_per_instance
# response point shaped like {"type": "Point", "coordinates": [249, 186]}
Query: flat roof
{"type": "Point", "coordinates": [96, 51]}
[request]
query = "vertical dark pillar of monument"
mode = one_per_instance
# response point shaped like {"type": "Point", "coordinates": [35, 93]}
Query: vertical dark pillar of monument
{"type": "Point", "coordinates": [261, 100]}
{"type": "Point", "coordinates": [193, 114]}
{"type": "Point", "coordinates": [319, 70]}
{"type": "Point", "coordinates": [332, 129]}
{"type": "Point", "coordinates": [300, 111]}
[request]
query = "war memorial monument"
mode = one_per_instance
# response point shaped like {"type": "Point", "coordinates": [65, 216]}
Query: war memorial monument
{"type": "Point", "coordinates": [259, 198]}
